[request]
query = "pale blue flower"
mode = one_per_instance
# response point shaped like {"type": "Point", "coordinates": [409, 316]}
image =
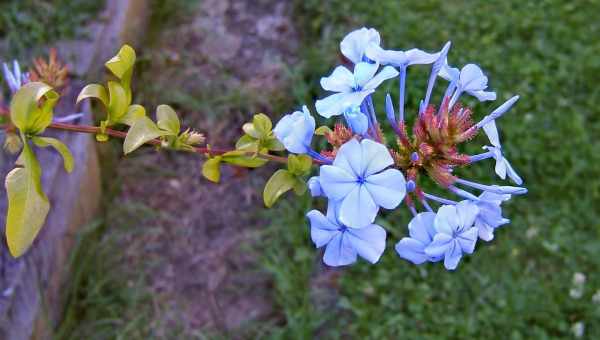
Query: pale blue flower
{"type": "Point", "coordinates": [343, 244]}
{"type": "Point", "coordinates": [399, 58]}
{"type": "Point", "coordinates": [357, 120]}
{"type": "Point", "coordinates": [357, 180]}
{"type": "Point", "coordinates": [355, 43]}
{"type": "Point", "coordinates": [15, 78]}
{"type": "Point", "coordinates": [490, 214]}
{"type": "Point", "coordinates": [314, 186]}
{"type": "Point", "coordinates": [351, 88]}
{"type": "Point", "coordinates": [503, 167]}
{"type": "Point", "coordinates": [455, 233]}
{"type": "Point", "coordinates": [421, 230]}
{"type": "Point", "coordinates": [295, 131]}
{"type": "Point", "coordinates": [469, 79]}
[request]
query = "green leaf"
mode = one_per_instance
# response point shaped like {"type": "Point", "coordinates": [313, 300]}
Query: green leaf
{"type": "Point", "coordinates": [121, 66]}
{"type": "Point", "coordinates": [273, 144]}
{"type": "Point", "coordinates": [247, 143]}
{"type": "Point", "coordinates": [167, 119]}
{"type": "Point", "coordinates": [117, 103]}
{"type": "Point", "coordinates": [322, 130]}
{"type": "Point", "coordinates": [142, 131]}
{"type": "Point", "coordinates": [95, 91]}
{"type": "Point", "coordinates": [262, 124]}
{"type": "Point", "coordinates": [240, 158]}
{"type": "Point", "coordinates": [134, 112]}
{"type": "Point", "coordinates": [300, 187]}
{"type": "Point", "coordinates": [25, 111]}
{"type": "Point", "coordinates": [28, 206]}
{"type": "Point", "coordinates": [60, 147]}
{"type": "Point", "coordinates": [299, 165]}
{"type": "Point", "coordinates": [281, 182]}
{"type": "Point", "coordinates": [211, 169]}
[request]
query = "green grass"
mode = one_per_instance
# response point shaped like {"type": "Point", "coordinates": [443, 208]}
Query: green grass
{"type": "Point", "coordinates": [517, 287]}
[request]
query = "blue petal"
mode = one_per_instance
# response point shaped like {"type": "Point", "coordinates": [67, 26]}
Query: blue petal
{"type": "Point", "coordinates": [467, 240]}
{"type": "Point", "coordinates": [512, 173]}
{"type": "Point", "coordinates": [369, 242]}
{"type": "Point", "coordinates": [314, 186]}
{"type": "Point", "coordinates": [358, 209]}
{"type": "Point", "coordinates": [388, 72]}
{"type": "Point", "coordinates": [466, 212]}
{"type": "Point", "coordinates": [363, 72]}
{"type": "Point", "coordinates": [472, 78]}
{"type": "Point", "coordinates": [349, 157]}
{"type": "Point", "coordinates": [441, 242]}
{"type": "Point", "coordinates": [336, 182]}
{"type": "Point", "coordinates": [416, 56]}
{"type": "Point", "coordinates": [484, 230]}
{"type": "Point", "coordinates": [336, 104]}
{"type": "Point", "coordinates": [411, 250]}
{"type": "Point", "coordinates": [483, 96]}
{"type": "Point", "coordinates": [340, 80]}
{"type": "Point", "coordinates": [446, 220]}
{"type": "Point", "coordinates": [322, 230]}
{"type": "Point", "coordinates": [449, 73]}
{"type": "Point", "coordinates": [421, 227]}
{"type": "Point", "coordinates": [452, 256]}
{"type": "Point", "coordinates": [492, 133]}
{"type": "Point", "coordinates": [357, 121]}
{"type": "Point", "coordinates": [339, 252]}
{"type": "Point", "coordinates": [354, 44]}
{"type": "Point", "coordinates": [387, 188]}
{"type": "Point", "coordinates": [386, 57]}
{"type": "Point", "coordinates": [375, 157]}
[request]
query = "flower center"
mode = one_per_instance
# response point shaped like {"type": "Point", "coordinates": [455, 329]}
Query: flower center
{"type": "Point", "coordinates": [361, 180]}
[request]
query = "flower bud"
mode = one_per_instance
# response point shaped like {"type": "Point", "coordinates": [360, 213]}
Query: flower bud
{"type": "Point", "coordinates": [357, 120]}
{"type": "Point", "coordinates": [295, 131]}
{"type": "Point", "coordinates": [195, 138]}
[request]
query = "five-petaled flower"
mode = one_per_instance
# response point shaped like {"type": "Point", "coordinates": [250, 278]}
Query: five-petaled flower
{"type": "Point", "coordinates": [343, 243]}
{"type": "Point", "coordinates": [469, 79]}
{"type": "Point", "coordinates": [357, 179]}
{"type": "Point", "coordinates": [295, 131]}
{"type": "Point", "coordinates": [455, 233]}
{"type": "Point", "coordinates": [421, 230]}
{"type": "Point", "coordinates": [352, 88]}
{"type": "Point", "coordinates": [354, 45]}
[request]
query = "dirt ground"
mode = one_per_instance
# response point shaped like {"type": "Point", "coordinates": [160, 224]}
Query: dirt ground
{"type": "Point", "coordinates": [195, 239]}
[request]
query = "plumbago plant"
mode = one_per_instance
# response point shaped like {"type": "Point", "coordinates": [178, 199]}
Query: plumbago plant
{"type": "Point", "coordinates": [359, 172]}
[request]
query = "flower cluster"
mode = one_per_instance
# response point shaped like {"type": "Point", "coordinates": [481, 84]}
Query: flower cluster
{"type": "Point", "coordinates": [362, 172]}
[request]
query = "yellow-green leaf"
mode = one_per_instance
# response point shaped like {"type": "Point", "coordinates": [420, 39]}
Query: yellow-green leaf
{"type": "Point", "coordinates": [262, 124]}
{"type": "Point", "coordinates": [121, 66]}
{"type": "Point", "coordinates": [167, 119]}
{"type": "Point", "coordinates": [25, 111]}
{"type": "Point", "coordinates": [117, 103]}
{"type": "Point", "coordinates": [211, 169]}
{"type": "Point", "coordinates": [142, 131]}
{"type": "Point", "coordinates": [299, 165]}
{"type": "Point", "coordinates": [240, 158]}
{"type": "Point", "coordinates": [95, 91]}
{"type": "Point", "coordinates": [60, 147]}
{"type": "Point", "coordinates": [134, 112]}
{"type": "Point", "coordinates": [300, 187]}
{"type": "Point", "coordinates": [273, 144]}
{"type": "Point", "coordinates": [247, 143]}
{"type": "Point", "coordinates": [322, 130]}
{"type": "Point", "coordinates": [281, 182]}
{"type": "Point", "coordinates": [28, 206]}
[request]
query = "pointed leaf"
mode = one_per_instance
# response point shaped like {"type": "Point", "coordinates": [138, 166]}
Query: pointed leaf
{"type": "Point", "coordinates": [241, 158]}
{"type": "Point", "coordinates": [281, 182]}
{"type": "Point", "coordinates": [25, 111]}
{"type": "Point", "coordinates": [167, 119]}
{"type": "Point", "coordinates": [211, 169]}
{"type": "Point", "coordinates": [247, 143]}
{"type": "Point", "coordinates": [28, 206]}
{"type": "Point", "coordinates": [96, 91]}
{"type": "Point", "coordinates": [262, 124]}
{"type": "Point", "coordinates": [60, 147]}
{"type": "Point", "coordinates": [142, 131]}
{"type": "Point", "coordinates": [134, 112]}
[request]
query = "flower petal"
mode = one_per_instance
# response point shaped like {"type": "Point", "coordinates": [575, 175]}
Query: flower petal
{"type": "Point", "coordinates": [387, 188]}
{"type": "Point", "coordinates": [358, 209]}
{"type": "Point", "coordinates": [322, 230]}
{"type": "Point", "coordinates": [349, 158]}
{"type": "Point", "coordinates": [421, 227]}
{"type": "Point", "coordinates": [411, 250]}
{"type": "Point", "coordinates": [512, 173]}
{"type": "Point", "coordinates": [416, 56]}
{"type": "Point", "coordinates": [483, 96]}
{"type": "Point", "coordinates": [315, 186]}
{"type": "Point", "coordinates": [446, 220]}
{"type": "Point", "coordinates": [363, 72]}
{"type": "Point", "coordinates": [340, 80]}
{"type": "Point", "coordinates": [439, 245]}
{"type": "Point", "coordinates": [354, 43]}
{"type": "Point", "coordinates": [336, 182]}
{"type": "Point", "coordinates": [449, 73]}
{"type": "Point", "coordinates": [467, 212]}
{"type": "Point", "coordinates": [375, 157]}
{"type": "Point", "coordinates": [492, 133]}
{"type": "Point", "coordinates": [388, 72]}
{"type": "Point", "coordinates": [484, 230]}
{"type": "Point", "coordinates": [452, 256]}
{"type": "Point", "coordinates": [472, 78]}
{"type": "Point", "coordinates": [467, 240]}
{"type": "Point", "coordinates": [386, 57]}
{"type": "Point", "coordinates": [339, 252]}
{"type": "Point", "coordinates": [369, 242]}
{"type": "Point", "coordinates": [336, 104]}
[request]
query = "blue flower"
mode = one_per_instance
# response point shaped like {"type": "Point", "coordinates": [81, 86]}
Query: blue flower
{"type": "Point", "coordinates": [295, 131]}
{"type": "Point", "coordinates": [357, 180]}
{"type": "Point", "coordinates": [357, 120]}
{"type": "Point", "coordinates": [503, 167]}
{"type": "Point", "coordinates": [400, 58]}
{"type": "Point", "coordinates": [355, 43]}
{"type": "Point", "coordinates": [351, 88]}
{"type": "Point", "coordinates": [15, 79]}
{"type": "Point", "coordinates": [345, 244]}
{"type": "Point", "coordinates": [469, 79]}
{"type": "Point", "coordinates": [455, 233]}
{"type": "Point", "coordinates": [421, 230]}
{"type": "Point", "coordinates": [490, 214]}
{"type": "Point", "coordinates": [314, 186]}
